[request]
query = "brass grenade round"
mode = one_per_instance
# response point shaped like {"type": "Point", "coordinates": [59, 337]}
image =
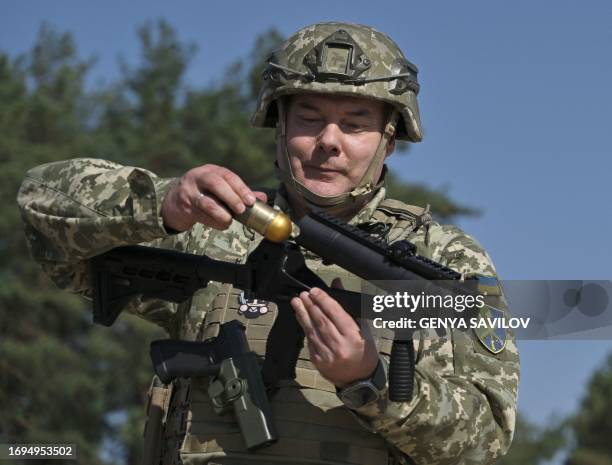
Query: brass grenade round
{"type": "Point", "coordinates": [274, 225]}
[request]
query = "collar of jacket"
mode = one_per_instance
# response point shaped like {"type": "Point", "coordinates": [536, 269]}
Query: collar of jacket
{"type": "Point", "coordinates": [362, 216]}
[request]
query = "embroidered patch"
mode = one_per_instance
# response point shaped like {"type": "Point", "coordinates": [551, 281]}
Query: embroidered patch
{"type": "Point", "coordinates": [488, 285]}
{"type": "Point", "coordinates": [252, 308]}
{"type": "Point", "coordinates": [493, 334]}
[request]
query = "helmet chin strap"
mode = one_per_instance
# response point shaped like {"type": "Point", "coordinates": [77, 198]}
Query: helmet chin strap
{"type": "Point", "coordinates": [339, 202]}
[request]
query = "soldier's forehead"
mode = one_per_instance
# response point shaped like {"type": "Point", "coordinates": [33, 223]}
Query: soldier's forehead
{"type": "Point", "coordinates": [315, 100]}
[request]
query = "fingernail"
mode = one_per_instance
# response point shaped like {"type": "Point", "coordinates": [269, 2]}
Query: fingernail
{"type": "Point", "coordinates": [315, 291]}
{"type": "Point", "coordinates": [250, 199]}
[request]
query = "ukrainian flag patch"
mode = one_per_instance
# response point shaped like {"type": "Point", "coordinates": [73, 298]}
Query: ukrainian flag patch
{"type": "Point", "coordinates": [490, 330]}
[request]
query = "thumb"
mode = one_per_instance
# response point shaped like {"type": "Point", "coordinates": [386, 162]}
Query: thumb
{"type": "Point", "coordinates": [337, 283]}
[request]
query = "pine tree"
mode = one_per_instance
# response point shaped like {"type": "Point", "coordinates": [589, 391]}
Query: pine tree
{"type": "Point", "coordinates": [592, 425]}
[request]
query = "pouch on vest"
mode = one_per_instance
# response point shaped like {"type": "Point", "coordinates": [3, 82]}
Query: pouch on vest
{"type": "Point", "coordinates": [158, 403]}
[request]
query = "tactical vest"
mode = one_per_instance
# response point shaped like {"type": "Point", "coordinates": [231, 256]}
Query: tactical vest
{"type": "Point", "coordinates": [313, 424]}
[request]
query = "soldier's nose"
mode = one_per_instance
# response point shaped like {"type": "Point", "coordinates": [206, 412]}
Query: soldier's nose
{"type": "Point", "coordinates": [329, 140]}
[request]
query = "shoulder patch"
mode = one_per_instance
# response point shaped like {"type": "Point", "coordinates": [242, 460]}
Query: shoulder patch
{"type": "Point", "coordinates": [490, 330]}
{"type": "Point", "coordinates": [487, 285]}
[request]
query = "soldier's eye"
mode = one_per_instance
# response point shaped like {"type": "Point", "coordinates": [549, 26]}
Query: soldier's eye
{"type": "Point", "coordinates": [309, 119]}
{"type": "Point", "coordinates": [352, 126]}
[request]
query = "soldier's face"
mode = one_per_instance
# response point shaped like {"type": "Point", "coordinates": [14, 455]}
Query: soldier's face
{"type": "Point", "coordinates": [331, 140]}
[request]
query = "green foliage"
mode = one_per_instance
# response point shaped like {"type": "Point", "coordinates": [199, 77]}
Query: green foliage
{"type": "Point", "coordinates": [64, 380]}
{"type": "Point", "coordinates": [60, 374]}
{"type": "Point", "coordinates": [533, 445]}
{"type": "Point", "coordinates": [582, 439]}
{"type": "Point", "coordinates": [592, 425]}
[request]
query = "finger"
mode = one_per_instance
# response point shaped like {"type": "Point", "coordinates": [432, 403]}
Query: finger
{"type": "Point", "coordinates": [301, 314]}
{"type": "Point", "coordinates": [333, 310]}
{"type": "Point", "coordinates": [315, 356]}
{"type": "Point", "coordinates": [261, 196]}
{"type": "Point", "coordinates": [314, 341]}
{"type": "Point", "coordinates": [224, 192]}
{"type": "Point", "coordinates": [328, 333]}
{"type": "Point", "coordinates": [238, 185]}
{"type": "Point", "coordinates": [211, 209]}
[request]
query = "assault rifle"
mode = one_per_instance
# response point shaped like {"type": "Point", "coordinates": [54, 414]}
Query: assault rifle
{"type": "Point", "coordinates": [274, 271]}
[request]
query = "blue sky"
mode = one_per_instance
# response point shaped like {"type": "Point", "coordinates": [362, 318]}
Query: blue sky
{"type": "Point", "coordinates": [515, 104]}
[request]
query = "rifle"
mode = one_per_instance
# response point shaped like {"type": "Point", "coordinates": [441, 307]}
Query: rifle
{"type": "Point", "coordinates": [274, 271]}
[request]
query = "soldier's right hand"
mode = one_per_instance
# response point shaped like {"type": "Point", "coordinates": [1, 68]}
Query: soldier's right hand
{"type": "Point", "coordinates": [208, 194]}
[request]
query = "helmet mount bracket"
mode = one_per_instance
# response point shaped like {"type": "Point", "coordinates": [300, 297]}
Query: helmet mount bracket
{"type": "Point", "coordinates": [337, 58]}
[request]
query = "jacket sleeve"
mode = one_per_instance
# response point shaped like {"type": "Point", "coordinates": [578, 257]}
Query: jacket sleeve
{"type": "Point", "coordinates": [79, 208]}
{"type": "Point", "coordinates": [464, 402]}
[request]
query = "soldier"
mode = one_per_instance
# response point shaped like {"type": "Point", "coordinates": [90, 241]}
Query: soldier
{"type": "Point", "coordinates": [339, 95]}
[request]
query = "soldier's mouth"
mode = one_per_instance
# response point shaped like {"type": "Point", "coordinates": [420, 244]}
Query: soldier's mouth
{"type": "Point", "coordinates": [321, 174]}
{"type": "Point", "coordinates": [321, 169]}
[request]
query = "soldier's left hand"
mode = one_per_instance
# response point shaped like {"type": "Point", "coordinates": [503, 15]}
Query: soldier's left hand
{"type": "Point", "coordinates": [338, 349]}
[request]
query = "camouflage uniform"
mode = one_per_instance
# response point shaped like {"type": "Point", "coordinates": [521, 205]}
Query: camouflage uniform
{"type": "Point", "coordinates": [463, 409]}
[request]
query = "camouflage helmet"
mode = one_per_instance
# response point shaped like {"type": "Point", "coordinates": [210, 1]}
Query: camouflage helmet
{"type": "Point", "coordinates": [342, 59]}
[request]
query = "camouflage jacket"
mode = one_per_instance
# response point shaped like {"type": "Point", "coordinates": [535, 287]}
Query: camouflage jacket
{"type": "Point", "coordinates": [464, 406]}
